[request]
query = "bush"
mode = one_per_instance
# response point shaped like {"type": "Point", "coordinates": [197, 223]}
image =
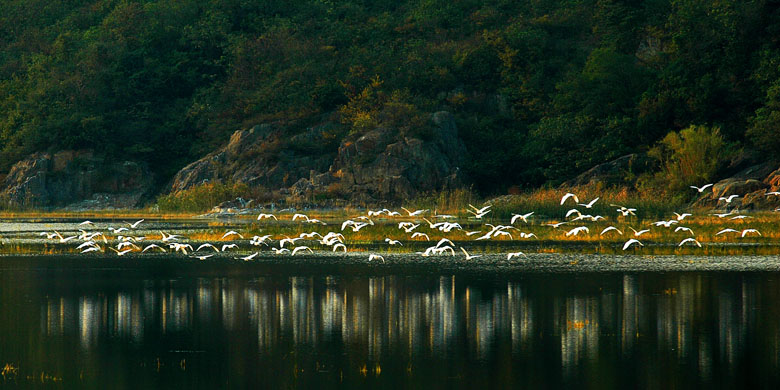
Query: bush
{"type": "Point", "coordinates": [691, 157]}
{"type": "Point", "coordinates": [203, 197]}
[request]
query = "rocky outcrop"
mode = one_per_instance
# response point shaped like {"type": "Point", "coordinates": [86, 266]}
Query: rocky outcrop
{"type": "Point", "coordinates": [66, 177]}
{"type": "Point", "coordinates": [258, 157]}
{"type": "Point", "coordinates": [750, 184]}
{"type": "Point", "coordinates": [611, 173]}
{"type": "Point", "coordinates": [381, 164]}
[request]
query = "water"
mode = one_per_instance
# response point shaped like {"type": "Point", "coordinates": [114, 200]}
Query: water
{"type": "Point", "coordinates": [116, 328]}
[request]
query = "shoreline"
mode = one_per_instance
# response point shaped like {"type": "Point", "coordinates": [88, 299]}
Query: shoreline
{"type": "Point", "coordinates": [402, 263]}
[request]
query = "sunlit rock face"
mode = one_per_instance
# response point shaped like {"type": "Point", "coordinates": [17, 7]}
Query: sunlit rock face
{"type": "Point", "coordinates": [75, 178]}
{"type": "Point", "coordinates": [381, 164]}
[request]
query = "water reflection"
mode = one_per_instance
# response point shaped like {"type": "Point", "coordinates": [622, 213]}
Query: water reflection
{"type": "Point", "coordinates": [557, 330]}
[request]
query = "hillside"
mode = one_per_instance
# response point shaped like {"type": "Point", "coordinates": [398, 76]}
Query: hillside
{"type": "Point", "coordinates": [539, 91]}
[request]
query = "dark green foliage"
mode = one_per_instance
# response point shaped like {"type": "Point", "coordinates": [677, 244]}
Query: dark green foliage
{"type": "Point", "coordinates": [542, 90]}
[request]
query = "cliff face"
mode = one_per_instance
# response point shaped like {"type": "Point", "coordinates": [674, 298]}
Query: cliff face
{"type": "Point", "coordinates": [68, 177]}
{"type": "Point", "coordinates": [379, 165]}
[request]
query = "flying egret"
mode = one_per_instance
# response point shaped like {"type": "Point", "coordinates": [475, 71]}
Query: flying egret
{"type": "Point", "coordinates": [203, 257]}
{"type": "Point", "coordinates": [682, 216]}
{"type": "Point", "coordinates": [413, 213]}
{"type": "Point", "coordinates": [468, 256]}
{"type": "Point", "coordinates": [577, 230]}
{"type": "Point", "coordinates": [228, 246]}
{"type": "Point", "coordinates": [567, 196]}
{"type": "Point", "coordinates": [524, 217]}
{"type": "Point", "coordinates": [207, 245]}
{"type": "Point", "coordinates": [300, 249]}
{"type": "Point", "coordinates": [87, 222]}
{"type": "Point", "coordinates": [266, 216]}
{"type": "Point", "coordinates": [134, 224]}
{"type": "Point", "coordinates": [746, 231]}
{"type": "Point", "coordinates": [683, 229]}
{"type": "Point", "coordinates": [689, 240]}
{"type": "Point", "coordinates": [152, 246]}
{"type": "Point", "coordinates": [589, 204]}
{"type": "Point", "coordinates": [393, 242]}
{"type": "Point", "coordinates": [122, 253]}
{"type": "Point", "coordinates": [92, 249]}
{"type": "Point", "coordinates": [573, 211]}
{"type": "Point", "coordinates": [373, 256]}
{"type": "Point", "coordinates": [510, 255]}
{"type": "Point", "coordinates": [280, 251]}
{"type": "Point", "coordinates": [423, 235]}
{"type": "Point", "coordinates": [702, 188]}
{"type": "Point", "coordinates": [728, 199]}
{"type": "Point", "coordinates": [341, 246]}
{"type": "Point", "coordinates": [610, 228]}
{"type": "Point", "coordinates": [232, 233]}
{"type": "Point", "coordinates": [726, 231]}
{"type": "Point", "coordinates": [631, 242]}
{"type": "Point", "coordinates": [556, 225]}
{"type": "Point", "coordinates": [639, 233]}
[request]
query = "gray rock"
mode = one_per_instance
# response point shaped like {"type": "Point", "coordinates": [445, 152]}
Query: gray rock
{"type": "Point", "coordinates": [611, 173]}
{"type": "Point", "coordinates": [78, 177]}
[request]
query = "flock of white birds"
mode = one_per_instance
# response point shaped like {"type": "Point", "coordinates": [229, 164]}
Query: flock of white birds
{"type": "Point", "coordinates": [419, 225]}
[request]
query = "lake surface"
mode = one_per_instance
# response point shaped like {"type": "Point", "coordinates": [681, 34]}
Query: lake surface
{"type": "Point", "coordinates": [116, 328]}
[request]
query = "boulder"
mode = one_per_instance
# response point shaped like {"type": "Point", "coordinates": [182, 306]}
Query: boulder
{"type": "Point", "coordinates": [75, 177]}
{"type": "Point", "coordinates": [612, 173]}
{"type": "Point", "coordinates": [381, 164]}
{"type": "Point", "coordinates": [262, 156]}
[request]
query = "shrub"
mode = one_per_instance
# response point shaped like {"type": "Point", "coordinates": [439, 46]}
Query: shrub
{"type": "Point", "coordinates": [204, 197]}
{"type": "Point", "coordinates": [690, 157]}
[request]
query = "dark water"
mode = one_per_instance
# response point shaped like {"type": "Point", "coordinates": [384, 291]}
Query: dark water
{"type": "Point", "coordinates": [111, 329]}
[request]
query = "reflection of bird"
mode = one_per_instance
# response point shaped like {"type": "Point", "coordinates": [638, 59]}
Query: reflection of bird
{"type": "Point", "coordinates": [631, 242]}
{"type": "Point", "coordinates": [702, 188]}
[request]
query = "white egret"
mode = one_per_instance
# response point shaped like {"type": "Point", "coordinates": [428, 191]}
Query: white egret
{"type": "Point", "coordinates": [631, 242]}
{"type": "Point", "coordinates": [689, 240]}
{"type": "Point", "coordinates": [702, 188]}
{"type": "Point", "coordinates": [468, 256]}
{"type": "Point", "coordinates": [569, 195]}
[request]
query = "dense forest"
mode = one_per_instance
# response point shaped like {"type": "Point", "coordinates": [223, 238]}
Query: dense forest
{"type": "Point", "coordinates": [541, 90]}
